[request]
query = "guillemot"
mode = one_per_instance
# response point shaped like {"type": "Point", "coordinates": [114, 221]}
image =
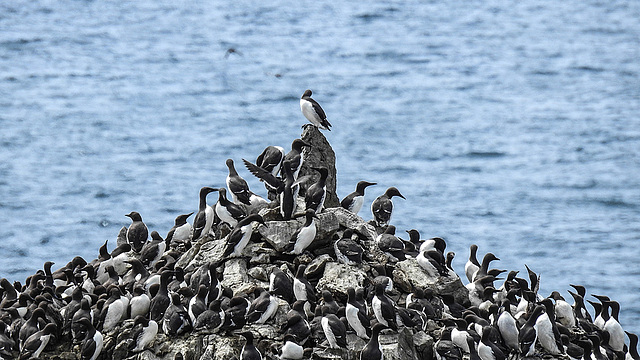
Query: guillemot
{"type": "Point", "coordinates": [354, 201]}
{"type": "Point", "coordinates": [313, 111]}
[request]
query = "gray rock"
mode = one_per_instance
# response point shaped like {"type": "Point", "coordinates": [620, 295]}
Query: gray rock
{"type": "Point", "coordinates": [258, 273]}
{"type": "Point", "coordinates": [235, 274]}
{"type": "Point", "coordinates": [409, 270]}
{"type": "Point", "coordinates": [424, 345]}
{"type": "Point", "coordinates": [338, 278]}
{"type": "Point", "coordinates": [398, 346]}
{"type": "Point", "coordinates": [319, 154]}
{"type": "Point", "coordinates": [122, 236]}
{"type": "Point", "coordinates": [315, 268]}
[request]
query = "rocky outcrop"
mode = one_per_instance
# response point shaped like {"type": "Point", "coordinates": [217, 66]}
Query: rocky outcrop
{"type": "Point", "coordinates": [240, 276]}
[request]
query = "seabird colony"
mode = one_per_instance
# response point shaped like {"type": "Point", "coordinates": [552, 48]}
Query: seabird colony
{"type": "Point", "coordinates": [138, 283]}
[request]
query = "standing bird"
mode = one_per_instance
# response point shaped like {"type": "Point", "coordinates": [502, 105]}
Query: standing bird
{"type": "Point", "coordinates": [146, 332]}
{"type": "Point", "coordinates": [334, 330]}
{"type": "Point", "coordinates": [487, 350]}
{"type": "Point", "coordinates": [317, 192]}
{"type": "Point", "coordinates": [249, 351]}
{"type": "Point", "coordinates": [347, 250]}
{"type": "Point", "coordinates": [389, 244]}
{"type": "Point", "coordinates": [382, 206]}
{"type": "Point", "coordinates": [237, 186]}
{"type": "Point", "coordinates": [383, 307]}
{"type": "Point", "coordinates": [373, 349]}
{"type": "Point", "coordinates": [313, 112]}
{"type": "Point", "coordinates": [472, 266]}
{"type": "Point", "coordinates": [204, 217]}
{"type": "Point", "coordinates": [226, 210]}
{"type": "Point", "coordinates": [263, 307]}
{"type": "Point", "coordinates": [181, 229]}
{"type": "Point", "coordinates": [356, 316]}
{"type": "Point", "coordinates": [281, 284]}
{"type": "Point", "coordinates": [176, 318]}
{"type": "Point", "coordinates": [35, 344]}
{"type": "Point", "coordinates": [529, 333]}
{"type": "Point", "coordinates": [239, 237]}
{"type": "Point", "coordinates": [295, 158]}
{"type": "Point", "coordinates": [354, 201]}
{"type": "Point", "coordinates": [137, 232]}
{"type": "Point", "coordinates": [303, 237]}
{"type": "Point", "coordinates": [92, 343]}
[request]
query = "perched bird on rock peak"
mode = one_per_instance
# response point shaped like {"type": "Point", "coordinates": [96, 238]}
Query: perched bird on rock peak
{"type": "Point", "coordinates": [313, 111]}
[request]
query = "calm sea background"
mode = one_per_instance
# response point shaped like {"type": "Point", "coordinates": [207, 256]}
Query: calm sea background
{"type": "Point", "coordinates": [512, 125]}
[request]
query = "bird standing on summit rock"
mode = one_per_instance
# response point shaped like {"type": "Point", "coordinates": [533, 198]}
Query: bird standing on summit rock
{"type": "Point", "coordinates": [313, 111]}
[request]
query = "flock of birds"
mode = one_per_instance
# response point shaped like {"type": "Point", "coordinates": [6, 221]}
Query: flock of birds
{"type": "Point", "coordinates": [139, 280]}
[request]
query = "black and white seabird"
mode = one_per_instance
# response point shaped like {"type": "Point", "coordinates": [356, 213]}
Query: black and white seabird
{"type": "Point", "coordinates": [612, 326]}
{"type": "Point", "coordinates": [382, 206]}
{"type": "Point", "coordinates": [472, 266]}
{"type": "Point", "coordinates": [139, 303]}
{"type": "Point", "coordinates": [153, 250]}
{"type": "Point", "coordinates": [297, 324]}
{"type": "Point", "coordinates": [287, 187]}
{"type": "Point", "coordinates": [507, 326]}
{"type": "Point", "coordinates": [249, 351]}
{"type": "Point", "coordinates": [30, 327]}
{"type": "Point", "coordinates": [313, 111]}
{"type": "Point", "coordinates": [281, 284]}
{"type": "Point", "coordinates": [317, 192]}
{"type": "Point", "coordinates": [302, 288]}
{"type": "Point", "coordinates": [529, 334]}
{"type": "Point", "coordinates": [35, 344]}
{"type": "Point", "coordinates": [226, 210]}
{"type": "Point", "coordinates": [160, 302]}
{"type": "Point", "coordinates": [347, 250]}
{"type": "Point", "coordinates": [113, 310]}
{"type": "Point", "coordinates": [632, 354]}
{"type": "Point", "coordinates": [181, 229]}
{"type": "Point", "coordinates": [373, 349]}
{"type": "Point", "coordinates": [356, 316]}
{"type": "Point", "coordinates": [487, 350]}
{"type": "Point", "coordinates": [204, 217]}
{"type": "Point", "coordinates": [389, 244]}
{"type": "Point", "coordinates": [235, 314]}
{"type": "Point", "coordinates": [303, 237]}
{"type": "Point", "coordinates": [197, 304]}
{"type": "Point", "coordinates": [239, 237]}
{"type": "Point", "coordinates": [291, 350]}
{"type": "Point", "coordinates": [295, 157]}
{"type": "Point", "coordinates": [237, 186]}
{"type": "Point", "coordinates": [354, 201]}
{"type": "Point", "coordinates": [384, 308]}
{"type": "Point", "coordinates": [548, 334]}
{"type": "Point", "coordinates": [444, 347]}
{"type": "Point", "coordinates": [263, 307]}
{"type": "Point", "coordinates": [334, 329]}
{"type": "Point", "coordinates": [271, 159]}
{"type": "Point", "coordinates": [212, 318]}
{"type": "Point", "coordinates": [176, 318]}
{"type": "Point", "coordinates": [137, 232]}
{"type": "Point", "coordinates": [144, 334]}
{"type": "Point", "coordinates": [92, 343]}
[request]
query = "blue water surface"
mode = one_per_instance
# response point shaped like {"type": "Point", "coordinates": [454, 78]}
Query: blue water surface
{"type": "Point", "coordinates": [512, 125]}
